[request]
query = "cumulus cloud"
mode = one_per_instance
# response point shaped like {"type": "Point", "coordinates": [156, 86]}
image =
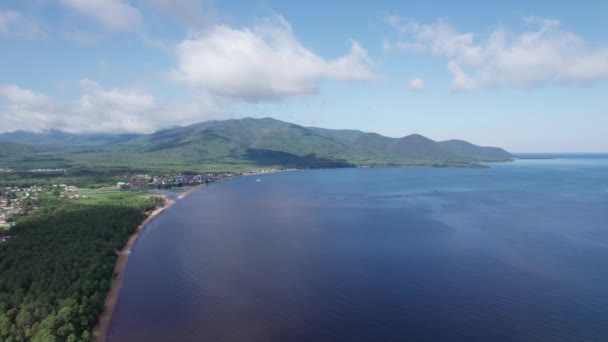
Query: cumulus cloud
{"type": "Point", "coordinates": [25, 108]}
{"type": "Point", "coordinates": [265, 62]}
{"type": "Point", "coordinates": [221, 64]}
{"type": "Point", "coordinates": [116, 15]}
{"type": "Point", "coordinates": [100, 110]}
{"type": "Point", "coordinates": [416, 84]}
{"type": "Point", "coordinates": [545, 54]}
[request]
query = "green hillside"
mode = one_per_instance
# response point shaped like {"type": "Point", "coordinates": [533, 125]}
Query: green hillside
{"type": "Point", "coordinates": [13, 149]}
{"type": "Point", "coordinates": [417, 147]}
{"type": "Point", "coordinates": [252, 143]}
{"type": "Point", "coordinates": [478, 153]}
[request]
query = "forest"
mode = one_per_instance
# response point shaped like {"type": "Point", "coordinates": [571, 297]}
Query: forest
{"type": "Point", "coordinates": [56, 269]}
{"type": "Point", "coordinates": [79, 178]}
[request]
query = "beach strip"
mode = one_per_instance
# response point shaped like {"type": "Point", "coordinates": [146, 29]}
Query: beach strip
{"type": "Point", "coordinates": [101, 328]}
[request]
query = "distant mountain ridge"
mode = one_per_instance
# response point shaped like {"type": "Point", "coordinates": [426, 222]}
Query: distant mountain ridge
{"type": "Point", "coordinates": [58, 138]}
{"type": "Point", "coordinates": [252, 142]}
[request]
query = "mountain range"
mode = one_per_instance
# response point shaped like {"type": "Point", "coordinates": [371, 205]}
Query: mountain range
{"type": "Point", "coordinates": [237, 144]}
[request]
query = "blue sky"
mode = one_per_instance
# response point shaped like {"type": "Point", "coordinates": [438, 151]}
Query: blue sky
{"type": "Point", "coordinates": [526, 76]}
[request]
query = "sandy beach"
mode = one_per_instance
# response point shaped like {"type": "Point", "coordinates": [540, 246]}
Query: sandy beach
{"type": "Point", "coordinates": [101, 329]}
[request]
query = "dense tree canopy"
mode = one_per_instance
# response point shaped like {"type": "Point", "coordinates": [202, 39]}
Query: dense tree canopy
{"type": "Point", "coordinates": [56, 271]}
{"type": "Point", "coordinates": [80, 179]}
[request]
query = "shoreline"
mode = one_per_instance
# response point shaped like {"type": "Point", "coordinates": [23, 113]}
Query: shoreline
{"type": "Point", "coordinates": [100, 330]}
{"type": "Point", "coordinates": [187, 192]}
{"type": "Point", "coordinates": [267, 172]}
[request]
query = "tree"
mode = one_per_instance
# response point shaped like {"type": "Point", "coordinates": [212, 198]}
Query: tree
{"type": "Point", "coordinates": [56, 293]}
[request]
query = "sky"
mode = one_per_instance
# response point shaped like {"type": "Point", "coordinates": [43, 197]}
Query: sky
{"type": "Point", "coordinates": [526, 76]}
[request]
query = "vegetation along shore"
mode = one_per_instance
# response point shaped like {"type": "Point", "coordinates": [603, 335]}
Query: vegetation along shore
{"type": "Point", "coordinates": [65, 245]}
{"type": "Point", "coordinates": [101, 328]}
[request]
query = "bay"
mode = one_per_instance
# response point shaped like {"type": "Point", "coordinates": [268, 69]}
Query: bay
{"type": "Point", "coordinates": [514, 252]}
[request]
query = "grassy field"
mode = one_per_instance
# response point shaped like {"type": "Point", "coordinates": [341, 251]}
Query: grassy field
{"type": "Point", "coordinates": [106, 194]}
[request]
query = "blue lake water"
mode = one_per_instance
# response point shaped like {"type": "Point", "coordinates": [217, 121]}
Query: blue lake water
{"type": "Point", "coordinates": [515, 252]}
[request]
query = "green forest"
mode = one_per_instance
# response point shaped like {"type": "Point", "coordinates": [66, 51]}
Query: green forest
{"type": "Point", "coordinates": [56, 270]}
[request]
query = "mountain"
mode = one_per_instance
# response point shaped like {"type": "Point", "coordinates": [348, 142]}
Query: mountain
{"type": "Point", "coordinates": [270, 142]}
{"type": "Point", "coordinates": [255, 142]}
{"type": "Point", "coordinates": [252, 143]}
{"type": "Point", "coordinates": [417, 147]}
{"type": "Point", "coordinates": [11, 149]}
{"type": "Point", "coordinates": [475, 152]}
{"type": "Point", "coordinates": [57, 138]}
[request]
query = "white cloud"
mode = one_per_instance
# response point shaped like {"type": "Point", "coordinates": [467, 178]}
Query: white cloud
{"type": "Point", "coordinates": [111, 16]}
{"type": "Point", "coordinates": [100, 110]}
{"type": "Point", "coordinates": [16, 94]}
{"type": "Point", "coordinates": [13, 22]}
{"type": "Point", "coordinates": [461, 80]}
{"type": "Point", "coordinates": [416, 84]}
{"type": "Point", "coordinates": [116, 15]}
{"type": "Point", "coordinates": [26, 109]}
{"type": "Point", "coordinates": [546, 54]}
{"type": "Point", "coordinates": [266, 62]}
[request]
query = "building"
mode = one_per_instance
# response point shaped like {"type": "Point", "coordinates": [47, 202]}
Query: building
{"type": "Point", "coordinates": [122, 185]}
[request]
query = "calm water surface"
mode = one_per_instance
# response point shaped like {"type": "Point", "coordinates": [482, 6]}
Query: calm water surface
{"type": "Point", "coordinates": [515, 252]}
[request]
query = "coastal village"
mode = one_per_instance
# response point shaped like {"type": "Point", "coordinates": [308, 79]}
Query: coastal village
{"type": "Point", "coordinates": [16, 202]}
{"type": "Point", "coordinates": [167, 181]}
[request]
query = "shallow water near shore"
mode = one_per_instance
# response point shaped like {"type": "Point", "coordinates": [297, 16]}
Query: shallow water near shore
{"type": "Point", "coordinates": [514, 252]}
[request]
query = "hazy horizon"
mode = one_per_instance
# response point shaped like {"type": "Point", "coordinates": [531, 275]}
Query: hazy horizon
{"type": "Point", "coordinates": [521, 76]}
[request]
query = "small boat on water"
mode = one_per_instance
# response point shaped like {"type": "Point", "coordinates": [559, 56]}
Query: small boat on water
{"type": "Point", "coordinates": [258, 180]}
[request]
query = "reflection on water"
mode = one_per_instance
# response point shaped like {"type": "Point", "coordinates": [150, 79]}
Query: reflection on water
{"type": "Point", "coordinates": [518, 252]}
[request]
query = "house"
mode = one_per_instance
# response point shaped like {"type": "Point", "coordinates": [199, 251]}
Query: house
{"type": "Point", "coordinates": [122, 185]}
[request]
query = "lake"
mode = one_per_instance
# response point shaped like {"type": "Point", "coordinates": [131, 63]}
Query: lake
{"type": "Point", "coordinates": [515, 252]}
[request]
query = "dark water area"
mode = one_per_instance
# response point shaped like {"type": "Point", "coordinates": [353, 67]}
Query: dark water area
{"type": "Point", "coordinates": [517, 252]}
